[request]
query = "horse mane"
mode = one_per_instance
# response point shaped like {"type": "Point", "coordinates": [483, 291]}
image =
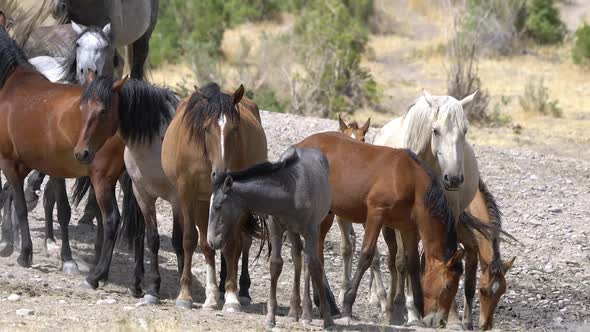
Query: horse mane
{"type": "Point", "coordinates": [207, 103]}
{"type": "Point", "coordinates": [420, 117]}
{"type": "Point", "coordinates": [68, 67]}
{"type": "Point", "coordinates": [11, 56]}
{"type": "Point", "coordinates": [142, 106]}
{"type": "Point", "coordinates": [353, 125]}
{"type": "Point", "coordinates": [261, 169]}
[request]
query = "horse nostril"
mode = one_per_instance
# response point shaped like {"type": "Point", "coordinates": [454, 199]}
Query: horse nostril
{"type": "Point", "coordinates": [446, 177]}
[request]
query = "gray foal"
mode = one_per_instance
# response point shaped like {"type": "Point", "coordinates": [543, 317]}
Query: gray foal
{"type": "Point", "coordinates": [295, 192]}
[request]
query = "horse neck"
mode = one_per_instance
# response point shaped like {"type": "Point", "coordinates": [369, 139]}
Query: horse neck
{"type": "Point", "coordinates": [432, 232]}
{"type": "Point", "coordinates": [262, 195]}
{"type": "Point", "coordinates": [488, 250]}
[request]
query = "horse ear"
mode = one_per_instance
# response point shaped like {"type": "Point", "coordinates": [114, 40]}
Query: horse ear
{"type": "Point", "coordinates": [107, 29]}
{"type": "Point", "coordinates": [118, 85]}
{"type": "Point", "coordinates": [343, 125]}
{"type": "Point", "coordinates": [508, 264]}
{"type": "Point", "coordinates": [468, 98]}
{"type": "Point", "coordinates": [238, 94]}
{"type": "Point", "coordinates": [428, 97]}
{"type": "Point", "coordinates": [2, 20]}
{"type": "Point", "coordinates": [366, 126]}
{"type": "Point", "coordinates": [457, 257]}
{"type": "Point", "coordinates": [78, 28]}
{"type": "Point", "coordinates": [229, 181]}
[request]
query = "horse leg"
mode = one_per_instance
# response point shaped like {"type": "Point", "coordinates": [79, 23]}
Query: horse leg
{"type": "Point", "coordinates": [15, 176]}
{"type": "Point", "coordinates": [139, 53]}
{"type": "Point", "coordinates": [276, 232]}
{"type": "Point", "coordinates": [49, 200]}
{"type": "Point", "coordinates": [471, 260]}
{"type": "Point", "coordinates": [232, 251]}
{"type": "Point", "coordinates": [189, 243]}
{"type": "Point", "coordinates": [64, 213]}
{"type": "Point", "coordinates": [222, 274]}
{"type": "Point", "coordinates": [296, 248]}
{"type": "Point", "coordinates": [401, 276]}
{"type": "Point", "coordinates": [347, 249]}
{"type": "Point", "coordinates": [394, 312]}
{"type": "Point", "coordinates": [372, 229]}
{"type": "Point", "coordinates": [324, 229]}
{"type": "Point", "coordinates": [244, 294]}
{"type": "Point", "coordinates": [211, 289]}
{"type": "Point", "coordinates": [7, 240]}
{"type": "Point", "coordinates": [414, 298]}
{"type": "Point", "coordinates": [377, 294]}
{"type": "Point", "coordinates": [316, 270]}
{"type": "Point", "coordinates": [91, 210]}
{"type": "Point", "coordinates": [105, 195]}
{"type": "Point", "coordinates": [177, 223]}
{"type": "Point", "coordinates": [148, 209]}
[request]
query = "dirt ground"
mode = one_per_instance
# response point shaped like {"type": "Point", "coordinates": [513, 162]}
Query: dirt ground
{"type": "Point", "coordinates": [544, 199]}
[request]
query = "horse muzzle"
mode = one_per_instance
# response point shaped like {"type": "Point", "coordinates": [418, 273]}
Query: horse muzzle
{"type": "Point", "coordinates": [453, 182]}
{"type": "Point", "coordinates": [84, 156]}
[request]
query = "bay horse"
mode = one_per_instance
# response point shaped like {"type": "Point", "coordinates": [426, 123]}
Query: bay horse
{"type": "Point", "coordinates": [39, 125]}
{"type": "Point", "coordinates": [393, 189]}
{"type": "Point", "coordinates": [144, 113]}
{"type": "Point", "coordinates": [295, 193]}
{"type": "Point", "coordinates": [212, 132]}
{"type": "Point", "coordinates": [132, 23]}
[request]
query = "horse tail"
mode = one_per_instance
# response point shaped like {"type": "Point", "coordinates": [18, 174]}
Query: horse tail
{"type": "Point", "coordinates": [133, 222]}
{"type": "Point", "coordinates": [256, 227]}
{"type": "Point", "coordinates": [81, 187]}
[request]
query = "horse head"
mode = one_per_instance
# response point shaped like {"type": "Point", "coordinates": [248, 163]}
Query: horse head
{"type": "Point", "coordinates": [353, 130]}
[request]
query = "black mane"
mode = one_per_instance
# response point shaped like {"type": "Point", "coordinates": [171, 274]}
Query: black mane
{"type": "Point", "coordinates": [258, 170]}
{"type": "Point", "coordinates": [208, 102]}
{"type": "Point", "coordinates": [68, 67]}
{"type": "Point", "coordinates": [142, 106]}
{"type": "Point", "coordinates": [11, 56]}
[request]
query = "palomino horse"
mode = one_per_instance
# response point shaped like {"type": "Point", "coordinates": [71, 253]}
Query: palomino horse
{"type": "Point", "coordinates": [39, 125]}
{"type": "Point", "coordinates": [435, 128]}
{"type": "Point", "coordinates": [211, 132]}
{"type": "Point", "coordinates": [132, 23]}
{"type": "Point", "coordinates": [295, 193]}
{"type": "Point", "coordinates": [393, 189]}
{"type": "Point", "coordinates": [144, 113]}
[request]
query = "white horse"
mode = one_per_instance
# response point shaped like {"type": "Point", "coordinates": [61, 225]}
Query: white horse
{"type": "Point", "coordinates": [92, 50]}
{"type": "Point", "coordinates": [434, 128]}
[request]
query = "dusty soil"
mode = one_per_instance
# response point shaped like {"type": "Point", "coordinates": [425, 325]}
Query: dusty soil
{"type": "Point", "coordinates": [544, 199]}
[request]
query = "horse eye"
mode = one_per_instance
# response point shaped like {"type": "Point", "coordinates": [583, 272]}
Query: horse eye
{"type": "Point", "coordinates": [102, 111]}
{"type": "Point", "coordinates": [77, 45]}
{"type": "Point", "coordinates": [435, 132]}
{"type": "Point", "coordinates": [217, 206]}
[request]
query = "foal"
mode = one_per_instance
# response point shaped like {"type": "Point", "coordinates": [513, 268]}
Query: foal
{"type": "Point", "coordinates": [295, 192]}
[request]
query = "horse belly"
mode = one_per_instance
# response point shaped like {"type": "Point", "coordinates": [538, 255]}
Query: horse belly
{"type": "Point", "coordinates": [134, 20]}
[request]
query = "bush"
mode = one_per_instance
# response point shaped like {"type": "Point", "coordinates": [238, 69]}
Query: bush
{"type": "Point", "coordinates": [581, 50]}
{"type": "Point", "coordinates": [267, 100]}
{"type": "Point", "coordinates": [536, 99]}
{"type": "Point", "coordinates": [496, 24]}
{"type": "Point", "coordinates": [543, 23]}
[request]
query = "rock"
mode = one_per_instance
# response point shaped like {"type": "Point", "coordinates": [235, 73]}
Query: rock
{"type": "Point", "coordinates": [555, 210]}
{"type": "Point", "coordinates": [13, 297]}
{"type": "Point", "coordinates": [25, 312]}
{"type": "Point", "coordinates": [106, 301]}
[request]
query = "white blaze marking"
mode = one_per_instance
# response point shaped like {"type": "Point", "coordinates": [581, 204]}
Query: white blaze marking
{"type": "Point", "coordinates": [222, 122]}
{"type": "Point", "coordinates": [353, 136]}
{"type": "Point", "coordinates": [211, 201]}
{"type": "Point", "coordinates": [495, 287]}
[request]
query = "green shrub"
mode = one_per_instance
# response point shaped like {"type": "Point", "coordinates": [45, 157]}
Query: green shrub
{"type": "Point", "coordinates": [581, 50]}
{"type": "Point", "coordinates": [267, 100]}
{"type": "Point", "coordinates": [543, 23]}
{"type": "Point", "coordinates": [536, 99]}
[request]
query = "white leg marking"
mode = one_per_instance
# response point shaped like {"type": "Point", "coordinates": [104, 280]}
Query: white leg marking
{"type": "Point", "coordinates": [413, 314]}
{"type": "Point", "coordinates": [211, 290]}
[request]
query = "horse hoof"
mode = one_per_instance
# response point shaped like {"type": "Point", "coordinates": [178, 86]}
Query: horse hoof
{"type": "Point", "coordinates": [416, 323]}
{"type": "Point", "coordinates": [184, 304]}
{"type": "Point", "coordinates": [245, 300]}
{"type": "Point", "coordinates": [25, 260]}
{"type": "Point", "coordinates": [269, 325]}
{"type": "Point", "coordinates": [136, 293]}
{"type": "Point", "coordinates": [329, 325]}
{"type": "Point", "coordinates": [150, 299]}
{"type": "Point", "coordinates": [89, 284]}
{"type": "Point", "coordinates": [345, 320]}
{"type": "Point", "coordinates": [293, 315]}
{"type": "Point", "coordinates": [455, 326]}
{"type": "Point", "coordinates": [70, 267]}
{"type": "Point", "coordinates": [232, 307]}
{"type": "Point", "coordinates": [6, 249]}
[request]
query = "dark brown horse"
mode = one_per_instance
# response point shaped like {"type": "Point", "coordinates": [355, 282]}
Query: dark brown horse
{"type": "Point", "coordinates": [39, 126]}
{"type": "Point", "coordinates": [212, 132]}
{"type": "Point", "coordinates": [393, 189]}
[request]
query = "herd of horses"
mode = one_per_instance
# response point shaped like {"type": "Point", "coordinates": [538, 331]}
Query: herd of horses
{"type": "Point", "coordinates": [418, 185]}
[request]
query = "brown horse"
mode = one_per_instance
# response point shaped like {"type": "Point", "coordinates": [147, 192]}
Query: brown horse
{"type": "Point", "coordinates": [353, 130]}
{"type": "Point", "coordinates": [212, 132]}
{"type": "Point", "coordinates": [393, 189]}
{"type": "Point", "coordinates": [39, 125]}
